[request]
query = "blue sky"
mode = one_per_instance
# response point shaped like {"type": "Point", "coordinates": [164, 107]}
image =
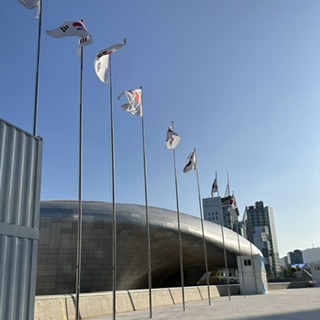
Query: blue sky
{"type": "Point", "coordinates": [240, 80]}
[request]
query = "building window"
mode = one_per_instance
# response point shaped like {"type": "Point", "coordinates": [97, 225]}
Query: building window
{"type": "Point", "coordinates": [247, 262]}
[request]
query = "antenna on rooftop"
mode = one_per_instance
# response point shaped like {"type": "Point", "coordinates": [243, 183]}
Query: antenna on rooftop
{"type": "Point", "coordinates": [227, 193]}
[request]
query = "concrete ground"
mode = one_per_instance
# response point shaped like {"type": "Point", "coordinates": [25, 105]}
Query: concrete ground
{"type": "Point", "coordinates": [284, 304]}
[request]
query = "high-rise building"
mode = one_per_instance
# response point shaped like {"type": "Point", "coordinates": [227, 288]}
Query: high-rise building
{"type": "Point", "coordinates": [261, 232]}
{"type": "Point", "coordinates": [212, 207]}
{"type": "Point", "coordinates": [295, 257]}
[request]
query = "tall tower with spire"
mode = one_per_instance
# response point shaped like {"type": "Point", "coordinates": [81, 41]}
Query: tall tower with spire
{"type": "Point", "coordinates": [227, 193]}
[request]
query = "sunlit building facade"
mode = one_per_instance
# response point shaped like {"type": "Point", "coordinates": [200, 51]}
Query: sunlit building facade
{"type": "Point", "coordinates": [262, 233]}
{"type": "Point", "coordinates": [214, 206]}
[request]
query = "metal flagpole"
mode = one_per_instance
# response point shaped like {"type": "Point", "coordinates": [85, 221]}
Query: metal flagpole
{"type": "Point", "coordinates": [114, 220]}
{"type": "Point", "coordinates": [179, 228]}
{"type": "Point", "coordinates": [147, 212]}
{"type": "Point", "coordinates": [224, 248]}
{"type": "Point", "coordinates": [79, 241]}
{"type": "Point", "coordinates": [104, 59]}
{"type": "Point", "coordinates": [203, 236]}
{"type": "Point", "coordinates": [240, 265]}
{"type": "Point", "coordinates": [35, 117]}
{"type": "Point", "coordinates": [254, 269]}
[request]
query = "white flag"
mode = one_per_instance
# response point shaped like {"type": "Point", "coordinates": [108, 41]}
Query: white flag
{"type": "Point", "coordinates": [134, 104]}
{"type": "Point", "coordinates": [191, 163]}
{"type": "Point", "coordinates": [31, 4]}
{"type": "Point", "coordinates": [69, 28]}
{"type": "Point", "coordinates": [101, 62]}
{"type": "Point", "coordinates": [84, 42]}
{"type": "Point", "coordinates": [245, 216]}
{"type": "Point", "coordinates": [173, 139]}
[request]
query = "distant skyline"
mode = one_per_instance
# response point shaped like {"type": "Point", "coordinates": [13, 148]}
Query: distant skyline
{"type": "Point", "coordinates": [239, 78]}
{"type": "Point", "coordinates": [309, 255]}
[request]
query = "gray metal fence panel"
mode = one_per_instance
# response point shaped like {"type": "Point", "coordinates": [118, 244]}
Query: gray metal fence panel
{"type": "Point", "coordinates": [20, 181]}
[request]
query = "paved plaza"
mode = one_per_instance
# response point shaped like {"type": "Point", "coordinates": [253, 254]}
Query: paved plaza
{"type": "Point", "coordinates": [287, 304]}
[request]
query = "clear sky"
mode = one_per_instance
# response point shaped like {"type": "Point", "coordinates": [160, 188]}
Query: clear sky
{"type": "Point", "coordinates": [240, 79]}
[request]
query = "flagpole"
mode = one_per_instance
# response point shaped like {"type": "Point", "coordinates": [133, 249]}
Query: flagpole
{"type": "Point", "coordinates": [79, 240]}
{"type": "Point", "coordinates": [240, 253]}
{"type": "Point", "coordinates": [254, 269]}
{"type": "Point", "coordinates": [203, 236]}
{"type": "Point", "coordinates": [35, 116]}
{"type": "Point", "coordinates": [223, 243]}
{"type": "Point", "coordinates": [147, 211]}
{"type": "Point", "coordinates": [114, 220]}
{"type": "Point", "coordinates": [251, 252]}
{"type": "Point", "coordinates": [179, 228]}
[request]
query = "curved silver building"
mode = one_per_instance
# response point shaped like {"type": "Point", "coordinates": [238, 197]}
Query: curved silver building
{"type": "Point", "coordinates": [58, 239]}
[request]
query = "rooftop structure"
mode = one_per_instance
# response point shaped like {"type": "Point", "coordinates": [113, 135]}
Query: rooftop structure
{"type": "Point", "coordinates": [212, 207]}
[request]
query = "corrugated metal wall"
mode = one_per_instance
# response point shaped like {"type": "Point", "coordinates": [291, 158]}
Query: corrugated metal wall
{"type": "Point", "coordinates": [20, 179]}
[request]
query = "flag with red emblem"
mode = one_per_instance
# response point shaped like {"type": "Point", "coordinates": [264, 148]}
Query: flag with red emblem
{"type": "Point", "coordinates": [101, 62]}
{"type": "Point", "coordinates": [134, 104]}
{"type": "Point", "coordinates": [69, 28]}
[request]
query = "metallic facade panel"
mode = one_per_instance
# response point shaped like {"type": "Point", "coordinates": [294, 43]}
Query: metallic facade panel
{"type": "Point", "coordinates": [58, 241]}
{"type": "Point", "coordinates": [20, 178]}
{"type": "Point", "coordinates": [20, 170]}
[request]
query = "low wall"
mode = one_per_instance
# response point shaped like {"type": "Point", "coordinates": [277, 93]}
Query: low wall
{"type": "Point", "coordinates": [62, 307]}
{"type": "Point", "coordinates": [278, 285]}
{"type": "Point", "coordinates": [289, 285]}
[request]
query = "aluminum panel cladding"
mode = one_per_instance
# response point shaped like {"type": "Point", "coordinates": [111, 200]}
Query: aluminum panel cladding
{"type": "Point", "coordinates": [20, 179]}
{"type": "Point", "coordinates": [20, 172]}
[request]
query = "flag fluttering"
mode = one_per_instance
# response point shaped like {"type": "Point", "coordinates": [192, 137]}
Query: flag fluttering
{"type": "Point", "coordinates": [73, 28]}
{"type": "Point", "coordinates": [101, 62]}
{"type": "Point", "coordinates": [245, 216]}
{"type": "Point", "coordinates": [233, 202]}
{"type": "Point", "coordinates": [173, 139]}
{"type": "Point", "coordinates": [134, 104]}
{"type": "Point", "coordinates": [32, 4]}
{"type": "Point", "coordinates": [191, 163]}
{"type": "Point", "coordinates": [214, 187]}
{"type": "Point", "coordinates": [69, 28]}
{"type": "Point", "coordinates": [85, 41]}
